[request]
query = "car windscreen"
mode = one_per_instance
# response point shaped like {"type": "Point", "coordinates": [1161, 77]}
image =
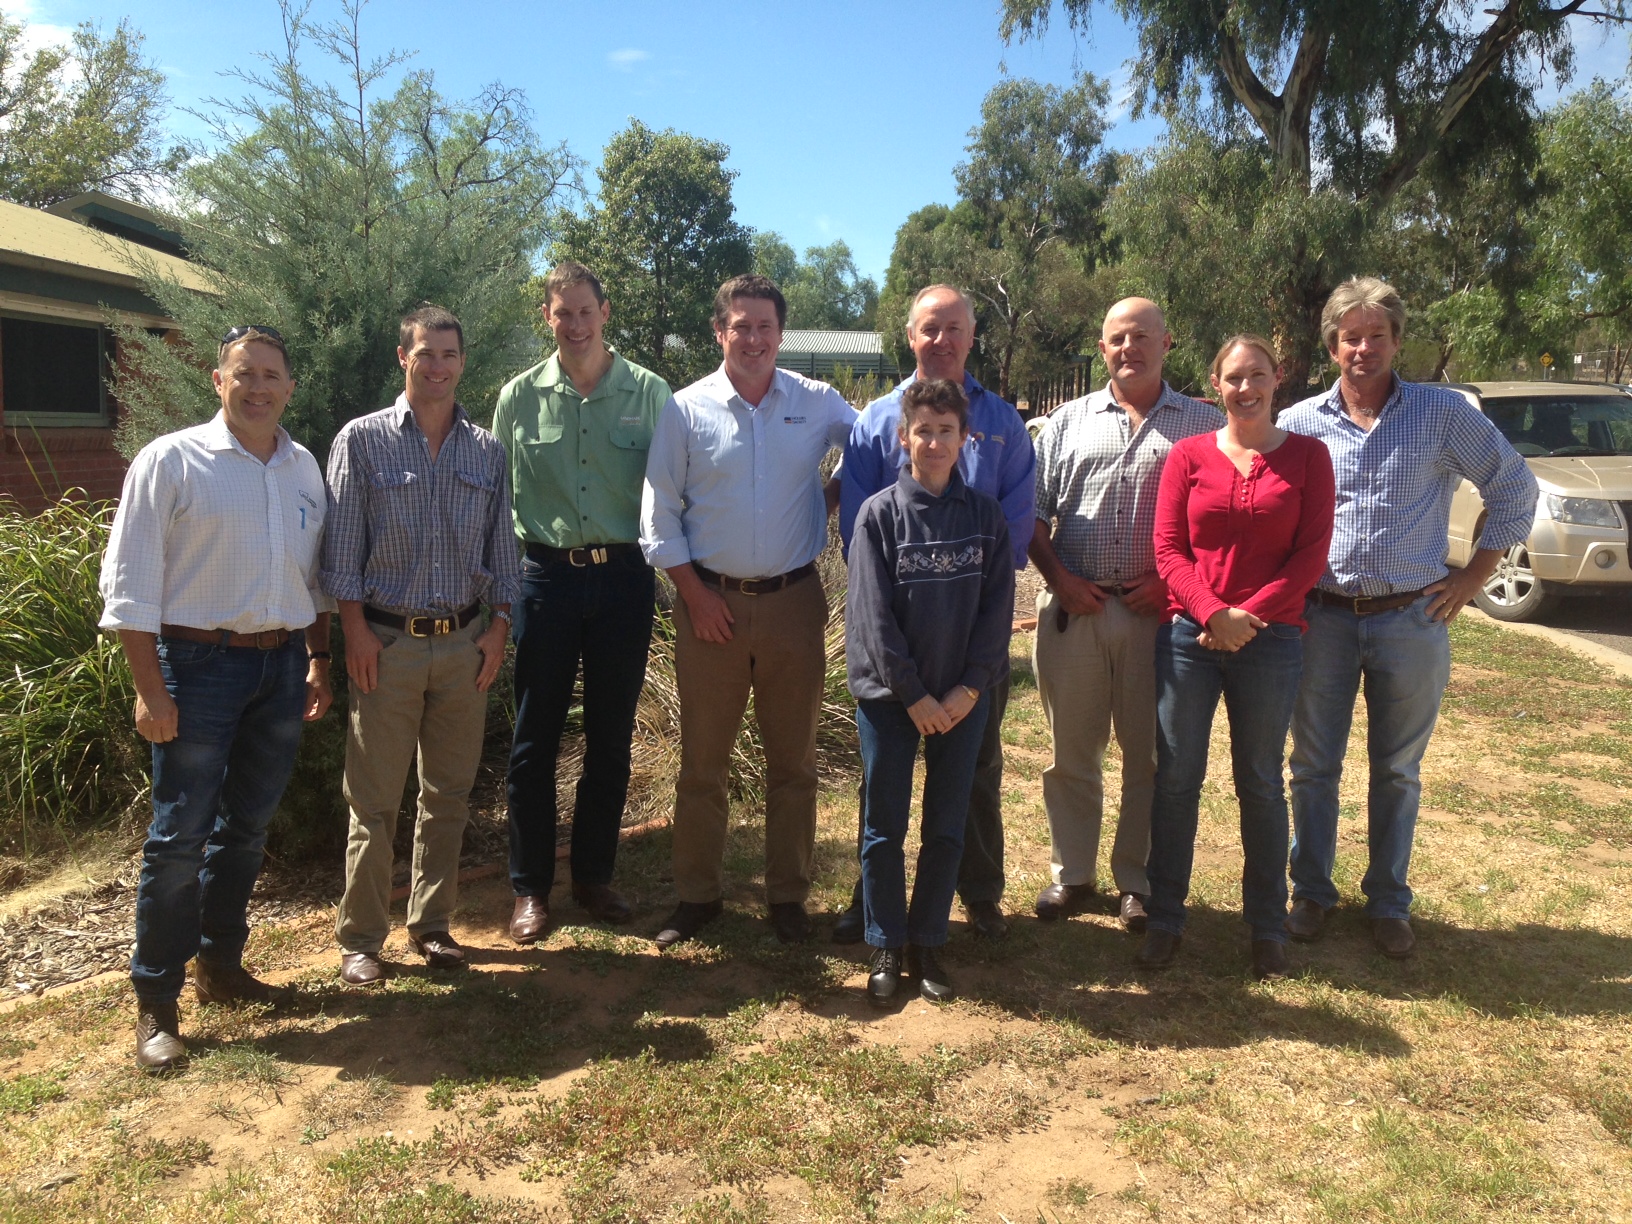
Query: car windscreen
{"type": "Point", "coordinates": [1561, 425]}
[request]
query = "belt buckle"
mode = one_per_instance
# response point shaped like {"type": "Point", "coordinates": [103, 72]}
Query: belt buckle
{"type": "Point", "coordinates": [572, 557]}
{"type": "Point", "coordinates": [266, 639]}
{"type": "Point", "coordinates": [1357, 601]}
{"type": "Point", "coordinates": [414, 623]}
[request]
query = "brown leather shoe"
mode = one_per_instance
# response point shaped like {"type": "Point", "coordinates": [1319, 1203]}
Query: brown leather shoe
{"type": "Point", "coordinates": [1158, 950]}
{"type": "Point", "coordinates": [229, 984]}
{"type": "Point", "coordinates": [1307, 921]}
{"type": "Point", "coordinates": [1131, 913]}
{"type": "Point", "coordinates": [529, 918]}
{"type": "Point", "coordinates": [1393, 937]}
{"type": "Point", "coordinates": [360, 969]}
{"type": "Point", "coordinates": [688, 918]}
{"type": "Point", "coordinates": [440, 950]}
{"type": "Point", "coordinates": [986, 919]}
{"type": "Point", "coordinates": [158, 1035]}
{"type": "Point", "coordinates": [1064, 900]}
{"type": "Point", "coordinates": [602, 902]}
{"type": "Point", "coordinates": [1268, 959]}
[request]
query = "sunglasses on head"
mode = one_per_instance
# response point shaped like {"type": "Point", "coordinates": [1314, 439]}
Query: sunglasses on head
{"type": "Point", "coordinates": [235, 334]}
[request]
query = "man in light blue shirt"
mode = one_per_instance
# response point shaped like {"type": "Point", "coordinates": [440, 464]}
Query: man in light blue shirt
{"type": "Point", "coordinates": [733, 510]}
{"type": "Point", "coordinates": [1381, 610]}
{"type": "Point", "coordinates": [997, 460]}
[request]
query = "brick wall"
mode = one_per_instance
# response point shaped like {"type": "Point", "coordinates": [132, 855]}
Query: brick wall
{"type": "Point", "coordinates": [40, 466]}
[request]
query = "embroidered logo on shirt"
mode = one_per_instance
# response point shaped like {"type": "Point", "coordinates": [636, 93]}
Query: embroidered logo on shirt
{"type": "Point", "coordinates": [307, 498]}
{"type": "Point", "coordinates": [927, 559]}
{"type": "Point", "coordinates": [794, 420]}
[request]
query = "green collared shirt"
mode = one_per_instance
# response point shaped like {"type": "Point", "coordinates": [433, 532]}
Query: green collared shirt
{"type": "Point", "coordinates": [576, 464]}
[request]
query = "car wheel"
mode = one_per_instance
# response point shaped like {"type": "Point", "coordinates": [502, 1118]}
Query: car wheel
{"type": "Point", "coordinates": [1513, 592]}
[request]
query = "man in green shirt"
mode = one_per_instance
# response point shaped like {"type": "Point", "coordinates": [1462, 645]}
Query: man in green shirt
{"type": "Point", "coordinates": [577, 428]}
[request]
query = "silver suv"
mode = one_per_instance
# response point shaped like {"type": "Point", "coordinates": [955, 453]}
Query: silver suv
{"type": "Point", "coordinates": [1577, 438]}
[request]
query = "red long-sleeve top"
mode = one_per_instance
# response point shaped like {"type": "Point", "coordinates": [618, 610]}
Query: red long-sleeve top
{"type": "Point", "coordinates": [1256, 542]}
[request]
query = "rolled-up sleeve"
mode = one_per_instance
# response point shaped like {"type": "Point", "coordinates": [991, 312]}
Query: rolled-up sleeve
{"type": "Point", "coordinates": [132, 578]}
{"type": "Point", "coordinates": [1475, 448]}
{"type": "Point", "coordinates": [1045, 487]}
{"type": "Point", "coordinates": [502, 554]}
{"type": "Point", "coordinates": [662, 496]}
{"type": "Point", "coordinates": [345, 530]}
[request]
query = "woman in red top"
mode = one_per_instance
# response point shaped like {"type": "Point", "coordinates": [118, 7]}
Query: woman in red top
{"type": "Point", "coordinates": [1243, 522]}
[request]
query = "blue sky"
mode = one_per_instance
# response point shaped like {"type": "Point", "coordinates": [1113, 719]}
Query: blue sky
{"type": "Point", "coordinates": [842, 116]}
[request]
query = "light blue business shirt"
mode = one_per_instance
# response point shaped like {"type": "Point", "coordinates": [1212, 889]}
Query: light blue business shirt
{"type": "Point", "coordinates": [1395, 480]}
{"type": "Point", "coordinates": [998, 460]}
{"type": "Point", "coordinates": [738, 488]}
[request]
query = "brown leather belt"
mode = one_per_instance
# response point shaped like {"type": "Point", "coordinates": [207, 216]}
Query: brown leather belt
{"type": "Point", "coordinates": [422, 626]}
{"type": "Point", "coordinates": [588, 554]}
{"type": "Point", "coordinates": [1364, 605]}
{"type": "Point", "coordinates": [267, 639]}
{"type": "Point", "coordinates": [754, 586]}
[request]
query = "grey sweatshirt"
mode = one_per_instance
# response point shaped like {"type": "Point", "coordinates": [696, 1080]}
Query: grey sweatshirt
{"type": "Point", "coordinates": [931, 599]}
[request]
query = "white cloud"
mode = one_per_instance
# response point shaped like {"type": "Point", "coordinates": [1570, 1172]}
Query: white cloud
{"type": "Point", "coordinates": [625, 58]}
{"type": "Point", "coordinates": [824, 225]}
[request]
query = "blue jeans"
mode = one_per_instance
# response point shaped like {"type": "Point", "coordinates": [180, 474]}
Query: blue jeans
{"type": "Point", "coordinates": [1404, 660]}
{"type": "Point", "coordinates": [601, 616]}
{"type": "Point", "coordinates": [1259, 683]}
{"type": "Point", "coordinates": [889, 750]}
{"type": "Point", "coordinates": [215, 788]}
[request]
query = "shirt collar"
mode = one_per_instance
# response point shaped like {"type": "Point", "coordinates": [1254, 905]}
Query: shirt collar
{"type": "Point", "coordinates": [727, 390]}
{"type": "Point", "coordinates": [1108, 401]}
{"type": "Point", "coordinates": [917, 495]}
{"type": "Point", "coordinates": [217, 437]}
{"type": "Point", "coordinates": [403, 414]}
{"type": "Point", "coordinates": [617, 377]}
{"type": "Point", "coordinates": [1334, 397]}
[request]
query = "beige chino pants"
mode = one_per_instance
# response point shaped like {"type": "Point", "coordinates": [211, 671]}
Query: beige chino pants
{"type": "Point", "coordinates": [426, 700]}
{"type": "Point", "coordinates": [1098, 675]}
{"type": "Point", "coordinates": [777, 653]}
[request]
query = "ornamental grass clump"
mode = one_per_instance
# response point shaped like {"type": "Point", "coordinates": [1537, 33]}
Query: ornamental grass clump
{"type": "Point", "coordinates": [70, 757]}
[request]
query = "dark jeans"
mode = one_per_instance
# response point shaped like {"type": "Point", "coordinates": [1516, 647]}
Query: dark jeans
{"type": "Point", "coordinates": [600, 615]}
{"type": "Point", "coordinates": [1259, 683]}
{"type": "Point", "coordinates": [980, 872]}
{"type": "Point", "coordinates": [889, 750]}
{"type": "Point", "coordinates": [215, 788]}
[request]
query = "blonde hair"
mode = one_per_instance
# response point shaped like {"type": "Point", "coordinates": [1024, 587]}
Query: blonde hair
{"type": "Point", "coordinates": [1244, 340]}
{"type": "Point", "coordinates": [1361, 293]}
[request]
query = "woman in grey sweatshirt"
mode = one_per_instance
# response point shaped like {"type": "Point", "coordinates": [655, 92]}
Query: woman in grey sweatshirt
{"type": "Point", "coordinates": [927, 622]}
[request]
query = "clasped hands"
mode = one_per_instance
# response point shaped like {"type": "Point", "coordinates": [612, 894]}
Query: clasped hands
{"type": "Point", "coordinates": [933, 717]}
{"type": "Point", "coordinates": [1229, 629]}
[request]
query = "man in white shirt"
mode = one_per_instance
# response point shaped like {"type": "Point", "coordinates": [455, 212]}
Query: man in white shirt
{"type": "Point", "coordinates": [210, 579]}
{"type": "Point", "coordinates": [733, 509]}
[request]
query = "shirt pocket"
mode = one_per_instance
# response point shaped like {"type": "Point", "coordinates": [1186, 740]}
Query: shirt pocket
{"type": "Point", "coordinates": [395, 493]}
{"type": "Point", "coordinates": [547, 433]}
{"type": "Point", "coordinates": [473, 499]}
{"type": "Point", "coordinates": [631, 434]}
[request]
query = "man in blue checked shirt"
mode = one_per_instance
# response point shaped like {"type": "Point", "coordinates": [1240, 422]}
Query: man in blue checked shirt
{"type": "Point", "coordinates": [419, 538]}
{"type": "Point", "coordinates": [1380, 612]}
{"type": "Point", "coordinates": [997, 460]}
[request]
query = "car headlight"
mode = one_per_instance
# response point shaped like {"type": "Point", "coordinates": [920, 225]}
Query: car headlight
{"type": "Point", "coordinates": [1582, 511]}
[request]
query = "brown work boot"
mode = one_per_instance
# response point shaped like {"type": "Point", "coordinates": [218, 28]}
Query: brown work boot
{"type": "Point", "coordinates": [1307, 921]}
{"type": "Point", "coordinates": [602, 902]}
{"type": "Point", "coordinates": [529, 918]}
{"type": "Point", "coordinates": [158, 1035]}
{"type": "Point", "coordinates": [1393, 937]}
{"type": "Point", "coordinates": [230, 984]}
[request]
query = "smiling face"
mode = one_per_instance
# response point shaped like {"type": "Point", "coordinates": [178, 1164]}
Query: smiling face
{"type": "Point", "coordinates": [1364, 346]}
{"type": "Point", "coordinates": [932, 441]}
{"type": "Point", "coordinates": [750, 338]}
{"type": "Point", "coordinates": [577, 318]}
{"type": "Point", "coordinates": [1246, 382]}
{"type": "Point", "coordinates": [1134, 343]}
{"type": "Point", "coordinates": [432, 366]}
{"type": "Point", "coordinates": [253, 382]}
{"type": "Point", "coordinates": [941, 333]}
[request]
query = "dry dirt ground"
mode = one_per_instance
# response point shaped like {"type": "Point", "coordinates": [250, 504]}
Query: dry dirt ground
{"type": "Point", "coordinates": [592, 1078]}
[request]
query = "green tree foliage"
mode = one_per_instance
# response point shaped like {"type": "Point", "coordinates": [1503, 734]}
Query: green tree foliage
{"type": "Point", "coordinates": [662, 235]}
{"type": "Point", "coordinates": [82, 116]}
{"type": "Point", "coordinates": [330, 210]}
{"type": "Point", "coordinates": [1366, 100]}
{"type": "Point", "coordinates": [1025, 238]}
{"type": "Point", "coordinates": [825, 292]}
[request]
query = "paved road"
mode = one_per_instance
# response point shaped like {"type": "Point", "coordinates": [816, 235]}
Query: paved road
{"type": "Point", "coordinates": [1605, 619]}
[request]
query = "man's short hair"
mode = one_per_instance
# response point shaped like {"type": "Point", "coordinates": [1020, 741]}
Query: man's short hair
{"type": "Point", "coordinates": [1244, 340]}
{"type": "Point", "coordinates": [934, 395]}
{"type": "Point", "coordinates": [1361, 293]}
{"type": "Point", "coordinates": [429, 318]}
{"type": "Point", "coordinates": [749, 286]}
{"type": "Point", "coordinates": [968, 302]}
{"type": "Point", "coordinates": [256, 335]}
{"type": "Point", "coordinates": [565, 275]}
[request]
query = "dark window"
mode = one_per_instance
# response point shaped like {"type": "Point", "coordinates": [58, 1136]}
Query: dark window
{"type": "Point", "coordinates": [51, 367]}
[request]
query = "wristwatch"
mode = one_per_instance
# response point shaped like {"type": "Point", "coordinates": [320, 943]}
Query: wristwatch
{"type": "Point", "coordinates": [505, 616]}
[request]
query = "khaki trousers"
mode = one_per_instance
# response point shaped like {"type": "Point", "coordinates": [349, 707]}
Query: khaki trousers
{"type": "Point", "coordinates": [777, 653]}
{"type": "Point", "coordinates": [426, 699]}
{"type": "Point", "coordinates": [1098, 674]}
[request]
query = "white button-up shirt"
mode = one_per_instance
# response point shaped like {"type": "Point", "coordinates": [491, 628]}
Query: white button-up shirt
{"type": "Point", "coordinates": [210, 537]}
{"type": "Point", "coordinates": [736, 488]}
